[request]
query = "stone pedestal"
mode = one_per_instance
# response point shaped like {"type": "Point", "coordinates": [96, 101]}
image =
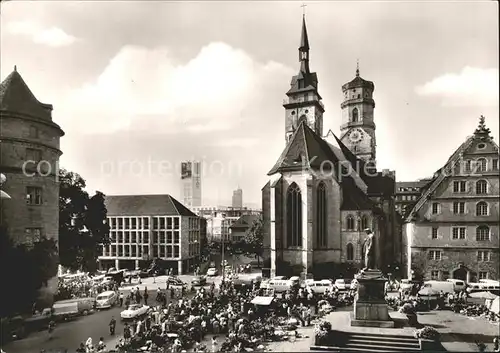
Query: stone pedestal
{"type": "Point", "coordinates": [370, 307]}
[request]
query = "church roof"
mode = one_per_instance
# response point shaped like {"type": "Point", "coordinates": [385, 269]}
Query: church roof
{"type": "Point", "coordinates": [358, 82]}
{"type": "Point", "coordinates": [481, 134]}
{"type": "Point", "coordinates": [305, 150]}
{"type": "Point", "coordinates": [244, 222]}
{"type": "Point", "coordinates": [304, 39]}
{"type": "Point", "coordinates": [311, 83]}
{"type": "Point", "coordinates": [15, 96]}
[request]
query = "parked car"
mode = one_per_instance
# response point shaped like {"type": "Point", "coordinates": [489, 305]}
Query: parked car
{"type": "Point", "coordinates": [212, 271]}
{"type": "Point", "coordinates": [320, 287]}
{"type": "Point", "coordinates": [342, 284]}
{"type": "Point", "coordinates": [458, 284]}
{"type": "Point", "coordinates": [406, 285]}
{"type": "Point", "coordinates": [106, 300]}
{"type": "Point", "coordinates": [134, 311]}
{"type": "Point", "coordinates": [198, 281]}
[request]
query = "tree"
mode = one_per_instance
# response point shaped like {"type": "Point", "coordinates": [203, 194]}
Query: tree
{"type": "Point", "coordinates": [24, 268]}
{"type": "Point", "coordinates": [253, 241]}
{"type": "Point", "coordinates": [83, 228]}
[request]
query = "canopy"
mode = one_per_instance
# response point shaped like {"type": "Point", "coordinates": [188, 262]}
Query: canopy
{"type": "Point", "coordinates": [262, 300]}
{"type": "Point", "coordinates": [495, 306]}
{"type": "Point", "coordinates": [483, 295]}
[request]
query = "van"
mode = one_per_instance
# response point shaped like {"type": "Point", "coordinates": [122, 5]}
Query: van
{"type": "Point", "coordinates": [484, 287]}
{"type": "Point", "coordinates": [278, 284]}
{"type": "Point", "coordinates": [106, 300]}
{"type": "Point", "coordinates": [440, 286]}
{"type": "Point", "coordinates": [320, 287]}
{"type": "Point", "coordinates": [458, 284]}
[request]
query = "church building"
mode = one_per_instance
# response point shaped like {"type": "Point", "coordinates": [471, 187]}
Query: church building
{"type": "Point", "coordinates": [324, 190]}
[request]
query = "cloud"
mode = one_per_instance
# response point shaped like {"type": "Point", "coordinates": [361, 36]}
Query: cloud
{"type": "Point", "coordinates": [147, 89]}
{"type": "Point", "coordinates": [470, 87]}
{"type": "Point", "coordinates": [53, 36]}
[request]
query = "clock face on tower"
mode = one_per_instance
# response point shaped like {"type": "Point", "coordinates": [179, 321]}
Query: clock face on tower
{"type": "Point", "coordinates": [356, 136]}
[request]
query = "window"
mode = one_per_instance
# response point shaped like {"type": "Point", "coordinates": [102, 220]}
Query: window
{"type": "Point", "coordinates": [481, 187]}
{"type": "Point", "coordinates": [322, 215]}
{"type": "Point", "coordinates": [434, 275]}
{"type": "Point", "coordinates": [434, 255]}
{"type": "Point", "coordinates": [350, 252]}
{"type": "Point", "coordinates": [458, 207]}
{"type": "Point", "coordinates": [176, 251]}
{"type": "Point", "coordinates": [445, 275]}
{"type": "Point", "coordinates": [483, 233]}
{"type": "Point", "coordinates": [33, 154]}
{"type": "Point", "coordinates": [468, 166]}
{"type": "Point", "coordinates": [483, 275]}
{"type": "Point", "coordinates": [459, 186]}
{"type": "Point", "coordinates": [435, 207]}
{"type": "Point", "coordinates": [434, 233]}
{"type": "Point", "coordinates": [350, 223]}
{"type": "Point", "coordinates": [355, 115]}
{"type": "Point", "coordinates": [364, 222]}
{"type": "Point", "coordinates": [483, 256]}
{"type": "Point", "coordinates": [481, 146]}
{"type": "Point", "coordinates": [33, 195]}
{"type": "Point", "coordinates": [33, 132]}
{"type": "Point", "coordinates": [33, 235]}
{"type": "Point", "coordinates": [481, 165]}
{"type": "Point", "coordinates": [481, 209]}
{"type": "Point", "coordinates": [458, 232]}
{"type": "Point", "coordinates": [495, 164]}
{"type": "Point", "coordinates": [294, 216]}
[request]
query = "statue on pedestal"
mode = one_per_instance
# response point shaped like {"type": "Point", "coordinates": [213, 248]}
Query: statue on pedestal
{"type": "Point", "coordinates": [369, 250]}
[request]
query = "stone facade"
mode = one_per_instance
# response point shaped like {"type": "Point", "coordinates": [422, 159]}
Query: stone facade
{"type": "Point", "coordinates": [453, 231]}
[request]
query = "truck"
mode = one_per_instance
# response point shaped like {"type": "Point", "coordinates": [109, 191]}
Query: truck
{"type": "Point", "coordinates": [70, 308]}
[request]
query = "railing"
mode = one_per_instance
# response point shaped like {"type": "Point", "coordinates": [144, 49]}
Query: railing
{"type": "Point", "coordinates": [303, 100]}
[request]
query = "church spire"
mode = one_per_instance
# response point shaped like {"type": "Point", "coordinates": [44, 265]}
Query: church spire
{"type": "Point", "coordinates": [304, 48]}
{"type": "Point", "coordinates": [357, 68]}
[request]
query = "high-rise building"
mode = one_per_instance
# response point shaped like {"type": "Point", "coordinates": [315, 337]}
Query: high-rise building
{"type": "Point", "coordinates": [191, 183]}
{"type": "Point", "coordinates": [237, 198]}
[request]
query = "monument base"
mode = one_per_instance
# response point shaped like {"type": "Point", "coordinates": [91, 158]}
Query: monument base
{"type": "Point", "coordinates": [370, 307]}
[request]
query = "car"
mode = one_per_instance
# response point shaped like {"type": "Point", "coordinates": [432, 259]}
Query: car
{"type": "Point", "coordinates": [198, 281]}
{"type": "Point", "coordinates": [106, 300]}
{"type": "Point", "coordinates": [341, 284]}
{"type": "Point", "coordinates": [134, 311]}
{"type": "Point", "coordinates": [175, 282]}
{"type": "Point", "coordinates": [405, 285]}
{"type": "Point", "coordinates": [212, 271]}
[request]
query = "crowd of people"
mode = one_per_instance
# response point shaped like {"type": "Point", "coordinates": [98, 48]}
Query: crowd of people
{"type": "Point", "coordinates": [218, 319]}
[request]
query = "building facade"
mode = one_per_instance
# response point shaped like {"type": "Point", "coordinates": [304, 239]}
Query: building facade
{"type": "Point", "coordinates": [147, 227]}
{"type": "Point", "coordinates": [453, 229]}
{"type": "Point", "coordinates": [29, 159]}
{"type": "Point", "coordinates": [242, 226]}
{"type": "Point", "coordinates": [191, 183]}
{"type": "Point", "coordinates": [324, 191]}
{"type": "Point", "coordinates": [407, 194]}
{"type": "Point", "coordinates": [237, 201]}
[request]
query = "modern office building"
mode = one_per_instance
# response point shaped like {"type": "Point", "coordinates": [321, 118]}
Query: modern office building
{"type": "Point", "coordinates": [191, 183]}
{"type": "Point", "coordinates": [407, 194]}
{"type": "Point", "coordinates": [237, 198]}
{"type": "Point", "coordinates": [147, 227]}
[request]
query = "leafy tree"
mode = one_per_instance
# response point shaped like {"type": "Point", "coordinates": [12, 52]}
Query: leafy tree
{"type": "Point", "coordinates": [253, 241]}
{"type": "Point", "coordinates": [24, 268]}
{"type": "Point", "coordinates": [82, 223]}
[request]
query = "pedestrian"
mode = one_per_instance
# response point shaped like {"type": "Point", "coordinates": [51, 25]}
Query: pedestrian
{"type": "Point", "coordinates": [112, 326]}
{"type": "Point", "coordinates": [121, 299]}
{"type": "Point", "coordinates": [146, 295]}
{"type": "Point", "coordinates": [51, 327]}
{"type": "Point", "coordinates": [496, 345]}
{"type": "Point", "coordinates": [214, 344]}
{"type": "Point", "coordinates": [101, 346]}
{"type": "Point", "coordinates": [81, 349]}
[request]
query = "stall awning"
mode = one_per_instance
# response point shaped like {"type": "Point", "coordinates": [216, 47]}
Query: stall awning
{"type": "Point", "coordinates": [262, 300]}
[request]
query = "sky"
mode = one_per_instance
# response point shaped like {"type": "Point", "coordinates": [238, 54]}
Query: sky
{"type": "Point", "coordinates": [140, 86]}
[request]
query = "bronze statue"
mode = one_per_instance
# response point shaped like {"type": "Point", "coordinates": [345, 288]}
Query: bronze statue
{"type": "Point", "coordinates": [369, 250]}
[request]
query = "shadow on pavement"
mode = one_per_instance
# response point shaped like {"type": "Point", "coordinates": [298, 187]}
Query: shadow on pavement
{"type": "Point", "coordinates": [466, 337]}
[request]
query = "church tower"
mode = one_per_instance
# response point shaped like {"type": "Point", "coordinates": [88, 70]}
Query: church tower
{"type": "Point", "coordinates": [303, 101]}
{"type": "Point", "coordinates": [358, 128]}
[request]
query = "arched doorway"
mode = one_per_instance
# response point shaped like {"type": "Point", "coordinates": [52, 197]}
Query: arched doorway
{"type": "Point", "coordinates": [460, 273]}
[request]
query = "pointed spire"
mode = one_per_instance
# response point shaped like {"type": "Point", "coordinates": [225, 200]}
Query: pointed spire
{"type": "Point", "coordinates": [15, 68]}
{"type": "Point", "coordinates": [304, 39]}
{"type": "Point", "coordinates": [482, 131]}
{"type": "Point", "coordinates": [357, 68]}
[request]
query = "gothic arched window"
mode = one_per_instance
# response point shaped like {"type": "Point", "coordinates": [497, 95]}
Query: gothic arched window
{"type": "Point", "coordinates": [350, 252]}
{"type": "Point", "coordinates": [481, 209]}
{"type": "Point", "coordinates": [321, 215]}
{"type": "Point", "coordinates": [482, 233]}
{"type": "Point", "coordinates": [364, 223]}
{"type": "Point", "coordinates": [481, 187]}
{"type": "Point", "coordinates": [355, 115]}
{"type": "Point", "coordinates": [350, 222]}
{"type": "Point", "coordinates": [294, 216]}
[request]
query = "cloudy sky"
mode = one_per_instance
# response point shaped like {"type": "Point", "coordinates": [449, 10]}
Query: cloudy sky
{"type": "Point", "coordinates": [140, 86]}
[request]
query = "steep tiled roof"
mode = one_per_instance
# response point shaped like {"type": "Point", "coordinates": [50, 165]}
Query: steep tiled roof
{"type": "Point", "coordinates": [145, 205]}
{"type": "Point", "coordinates": [358, 82]}
{"type": "Point", "coordinates": [244, 221]}
{"type": "Point", "coordinates": [15, 96]}
{"type": "Point", "coordinates": [305, 149]}
{"type": "Point", "coordinates": [353, 198]}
